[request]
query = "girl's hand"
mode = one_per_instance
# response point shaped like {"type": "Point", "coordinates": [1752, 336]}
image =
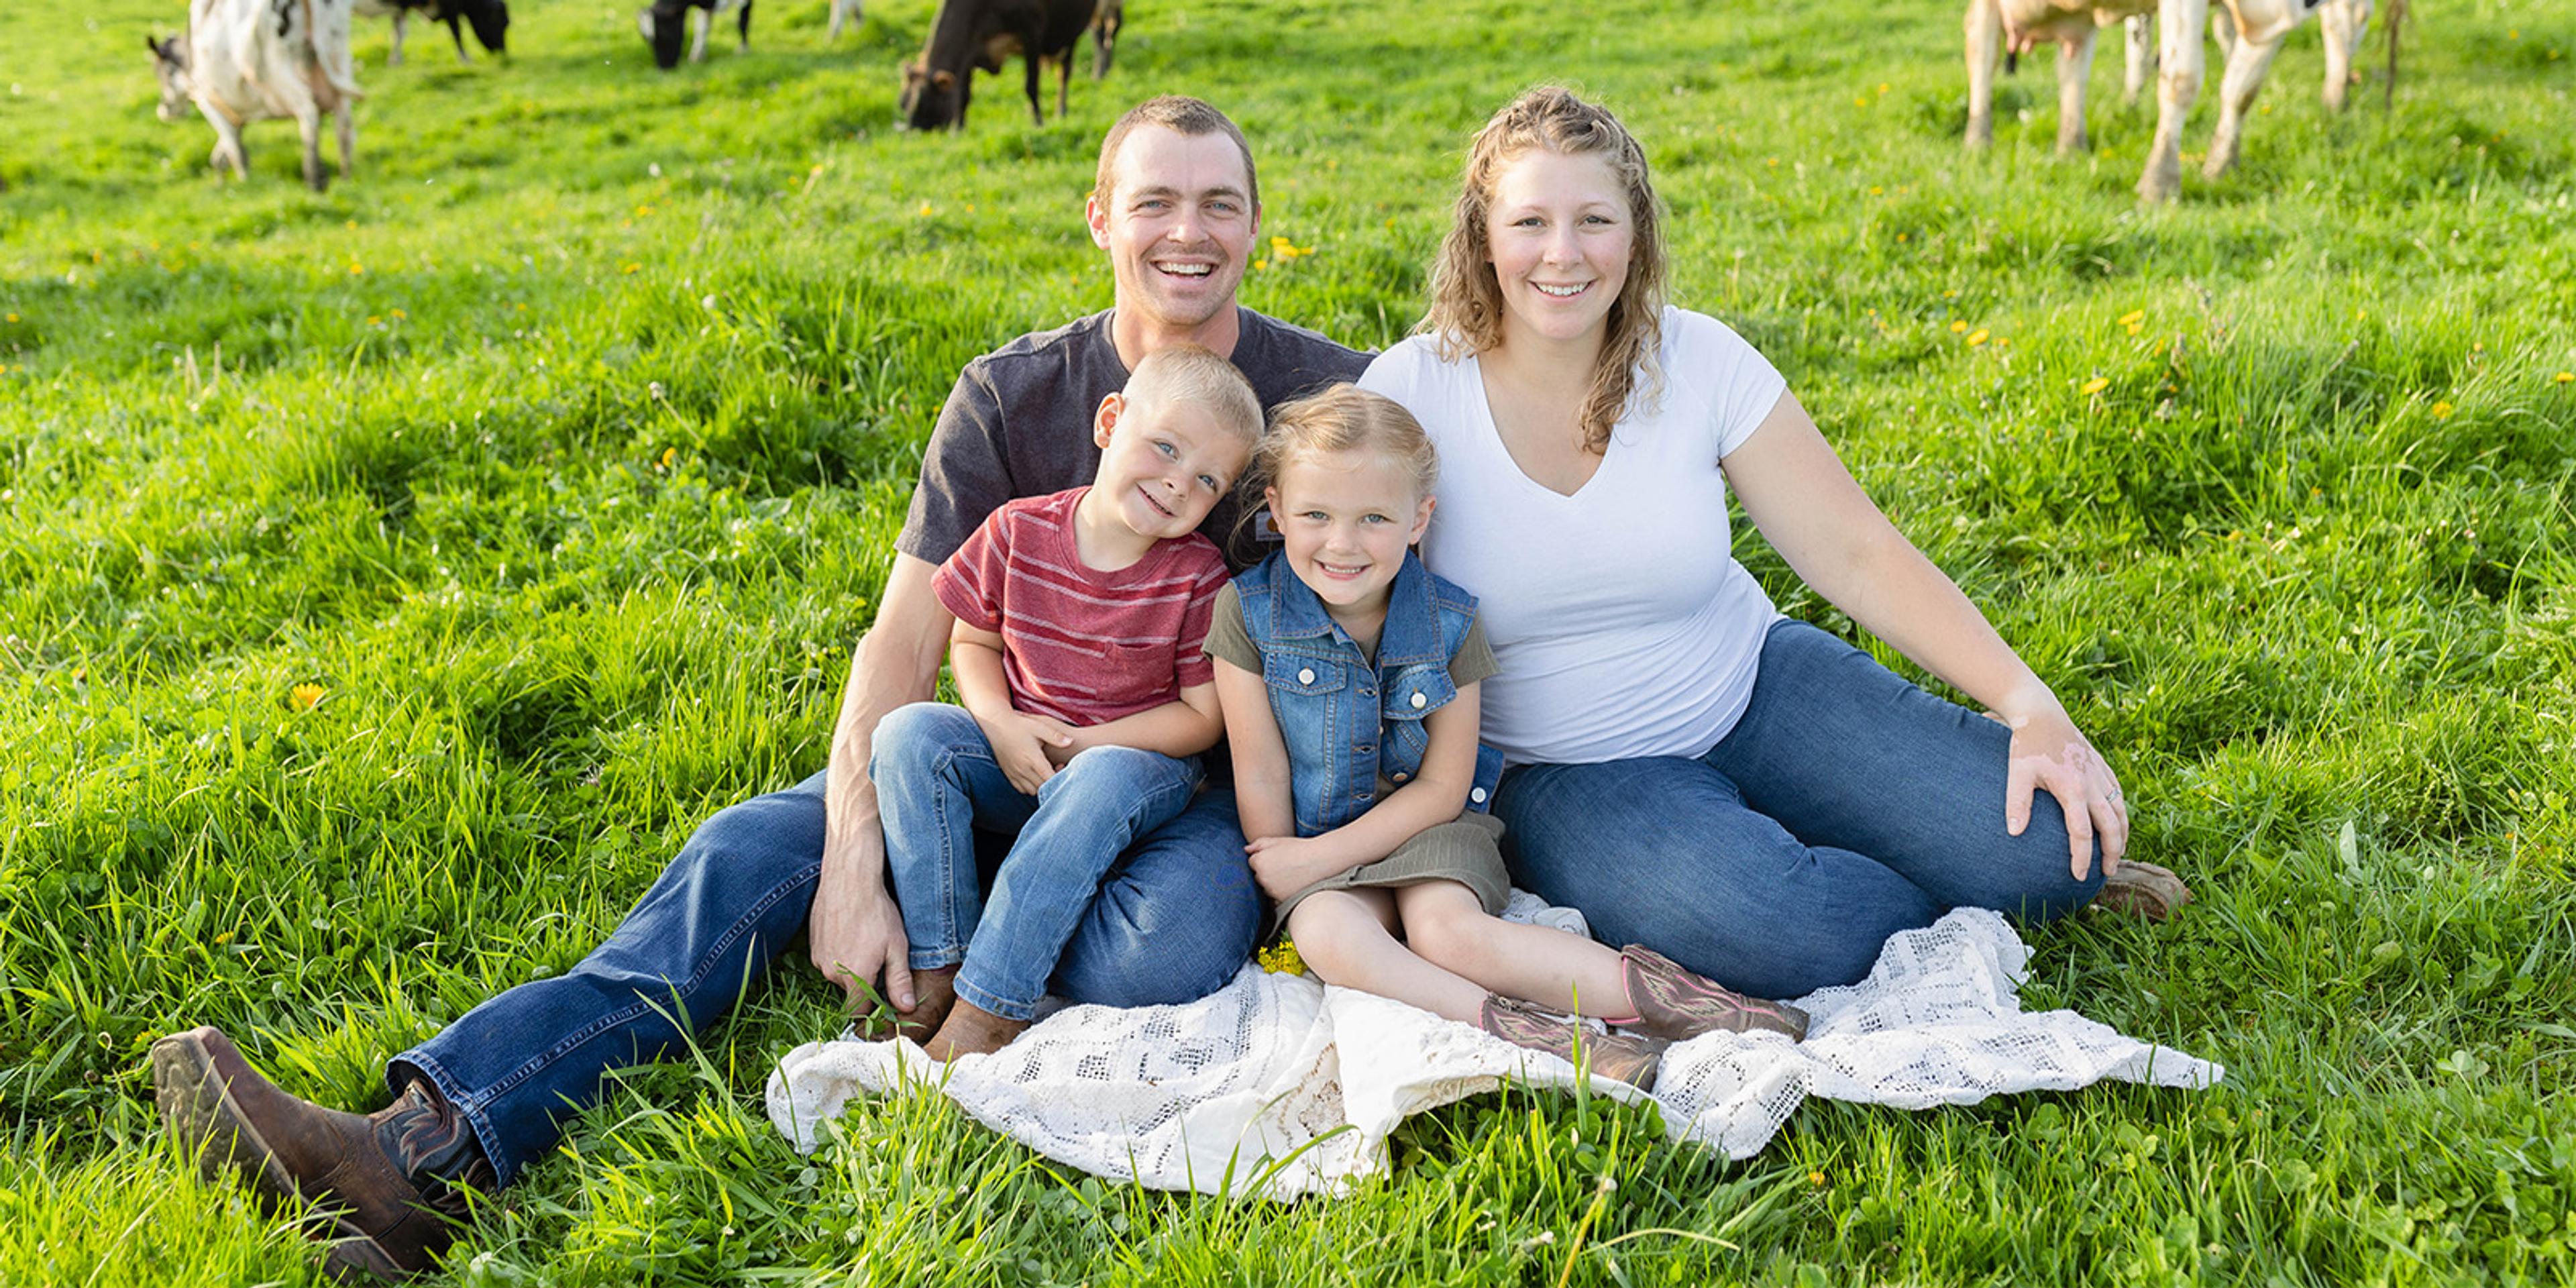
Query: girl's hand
{"type": "Point", "coordinates": [1285, 865]}
{"type": "Point", "coordinates": [2049, 751]}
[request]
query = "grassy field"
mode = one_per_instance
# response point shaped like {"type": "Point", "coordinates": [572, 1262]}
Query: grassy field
{"type": "Point", "coordinates": [389, 580]}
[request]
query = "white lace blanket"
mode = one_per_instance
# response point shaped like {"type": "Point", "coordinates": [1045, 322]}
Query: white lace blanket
{"type": "Point", "coordinates": [1242, 1091]}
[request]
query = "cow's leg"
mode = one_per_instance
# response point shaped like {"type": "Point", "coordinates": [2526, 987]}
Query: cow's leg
{"type": "Point", "coordinates": [2343, 22]}
{"type": "Point", "coordinates": [843, 11]}
{"type": "Point", "coordinates": [344, 122]}
{"type": "Point", "coordinates": [228, 144]}
{"type": "Point", "coordinates": [2179, 55]}
{"type": "Point", "coordinates": [456, 32]}
{"type": "Point", "coordinates": [1029, 63]}
{"type": "Point", "coordinates": [2141, 29]}
{"type": "Point", "coordinates": [742, 25]}
{"type": "Point", "coordinates": [2074, 68]}
{"type": "Point", "coordinates": [1985, 26]}
{"type": "Point", "coordinates": [401, 17]}
{"type": "Point", "coordinates": [700, 20]}
{"type": "Point", "coordinates": [2246, 68]}
{"type": "Point", "coordinates": [2222, 29]}
{"type": "Point", "coordinates": [1063, 81]}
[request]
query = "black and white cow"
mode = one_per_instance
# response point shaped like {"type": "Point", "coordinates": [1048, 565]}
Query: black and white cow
{"type": "Point", "coordinates": [255, 60]}
{"type": "Point", "coordinates": [842, 11]}
{"type": "Point", "coordinates": [490, 19]}
{"type": "Point", "coordinates": [665, 22]}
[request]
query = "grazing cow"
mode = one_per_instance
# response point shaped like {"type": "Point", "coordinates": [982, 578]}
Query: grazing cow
{"type": "Point", "coordinates": [842, 9]}
{"type": "Point", "coordinates": [663, 23]}
{"type": "Point", "coordinates": [979, 34]}
{"type": "Point", "coordinates": [255, 60]}
{"type": "Point", "coordinates": [490, 18]}
{"type": "Point", "coordinates": [2250, 34]}
{"type": "Point", "coordinates": [1104, 35]}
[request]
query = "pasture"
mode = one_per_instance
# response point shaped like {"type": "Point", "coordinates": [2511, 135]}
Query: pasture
{"type": "Point", "coordinates": [390, 578]}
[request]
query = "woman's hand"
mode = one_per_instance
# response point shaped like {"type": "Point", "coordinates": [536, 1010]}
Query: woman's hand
{"type": "Point", "coordinates": [1285, 865]}
{"type": "Point", "coordinates": [2048, 751]}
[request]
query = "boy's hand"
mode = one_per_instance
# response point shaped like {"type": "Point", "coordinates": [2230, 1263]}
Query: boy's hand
{"type": "Point", "coordinates": [1021, 743]}
{"type": "Point", "coordinates": [1285, 865]}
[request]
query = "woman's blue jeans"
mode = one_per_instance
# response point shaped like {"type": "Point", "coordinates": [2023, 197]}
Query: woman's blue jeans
{"type": "Point", "coordinates": [1845, 805]}
{"type": "Point", "coordinates": [1172, 922]}
{"type": "Point", "coordinates": [938, 784]}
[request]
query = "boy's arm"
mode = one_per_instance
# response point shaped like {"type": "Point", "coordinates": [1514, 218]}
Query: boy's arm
{"type": "Point", "coordinates": [1260, 754]}
{"type": "Point", "coordinates": [1437, 794]}
{"type": "Point", "coordinates": [1020, 739]}
{"type": "Point", "coordinates": [1183, 728]}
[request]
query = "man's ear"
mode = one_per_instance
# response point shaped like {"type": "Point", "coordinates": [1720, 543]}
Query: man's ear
{"type": "Point", "coordinates": [1106, 419]}
{"type": "Point", "coordinates": [1097, 216]}
{"type": "Point", "coordinates": [1421, 520]}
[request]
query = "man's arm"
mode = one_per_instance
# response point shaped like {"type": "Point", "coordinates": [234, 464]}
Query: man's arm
{"type": "Point", "coordinates": [855, 933]}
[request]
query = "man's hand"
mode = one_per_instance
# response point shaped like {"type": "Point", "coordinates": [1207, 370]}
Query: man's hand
{"type": "Point", "coordinates": [855, 933]}
{"type": "Point", "coordinates": [1285, 865]}
{"type": "Point", "coordinates": [1024, 746]}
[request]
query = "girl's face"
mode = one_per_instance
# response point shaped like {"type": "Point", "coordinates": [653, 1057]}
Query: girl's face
{"type": "Point", "coordinates": [1560, 234]}
{"type": "Point", "coordinates": [1347, 518]}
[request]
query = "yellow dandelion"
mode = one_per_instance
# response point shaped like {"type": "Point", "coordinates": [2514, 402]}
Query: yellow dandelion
{"type": "Point", "coordinates": [1978, 338]}
{"type": "Point", "coordinates": [1773, 162]}
{"type": "Point", "coordinates": [303, 696]}
{"type": "Point", "coordinates": [400, 315]}
{"type": "Point", "coordinates": [629, 266]}
{"type": "Point", "coordinates": [1905, 237]}
{"type": "Point", "coordinates": [2096, 385]}
{"type": "Point", "coordinates": [355, 269]}
{"type": "Point", "coordinates": [2441, 411]}
{"type": "Point", "coordinates": [1876, 191]}
{"type": "Point", "coordinates": [925, 210]}
{"type": "Point", "coordinates": [2564, 377]}
{"type": "Point", "coordinates": [1882, 87]}
{"type": "Point", "coordinates": [669, 454]}
{"type": "Point", "coordinates": [2361, 315]}
{"type": "Point", "coordinates": [1280, 243]}
{"type": "Point", "coordinates": [1259, 264]}
{"type": "Point", "coordinates": [1281, 958]}
{"type": "Point", "coordinates": [1816, 1179]}
{"type": "Point", "coordinates": [1957, 327]}
{"type": "Point", "coordinates": [1858, 101]}
{"type": "Point", "coordinates": [373, 320]}
{"type": "Point", "coordinates": [13, 317]}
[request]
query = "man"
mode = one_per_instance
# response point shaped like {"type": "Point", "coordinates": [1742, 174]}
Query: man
{"type": "Point", "coordinates": [1177, 208]}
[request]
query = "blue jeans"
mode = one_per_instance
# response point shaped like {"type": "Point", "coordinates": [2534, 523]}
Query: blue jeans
{"type": "Point", "coordinates": [938, 783]}
{"type": "Point", "coordinates": [1173, 922]}
{"type": "Point", "coordinates": [1845, 805]}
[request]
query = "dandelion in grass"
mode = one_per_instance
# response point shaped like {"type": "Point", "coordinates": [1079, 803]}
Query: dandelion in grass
{"type": "Point", "coordinates": [2134, 320]}
{"type": "Point", "coordinates": [629, 266]}
{"type": "Point", "coordinates": [1978, 338]}
{"type": "Point", "coordinates": [2096, 385]}
{"type": "Point", "coordinates": [303, 696]}
{"type": "Point", "coordinates": [669, 454]}
{"type": "Point", "coordinates": [2441, 411]}
{"type": "Point", "coordinates": [1281, 958]}
{"type": "Point", "coordinates": [1957, 327]}
{"type": "Point", "coordinates": [2563, 378]}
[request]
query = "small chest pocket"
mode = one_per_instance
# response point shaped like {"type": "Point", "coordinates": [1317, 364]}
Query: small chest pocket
{"type": "Point", "coordinates": [1304, 676]}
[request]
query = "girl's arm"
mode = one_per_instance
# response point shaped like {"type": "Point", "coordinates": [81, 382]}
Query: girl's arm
{"type": "Point", "coordinates": [1797, 491]}
{"type": "Point", "coordinates": [1435, 796]}
{"type": "Point", "coordinates": [1183, 728]}
{"type": "Point", "coordinates": [1260, 754]}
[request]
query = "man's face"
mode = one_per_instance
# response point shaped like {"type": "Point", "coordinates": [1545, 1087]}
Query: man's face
{"type": "Point", "coordinates": [1179, 225]}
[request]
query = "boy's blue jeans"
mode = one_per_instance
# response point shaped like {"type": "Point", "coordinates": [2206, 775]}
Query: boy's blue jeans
{"type": "Point", "coordinates": [1845, 805]}
{"type": "Point", "coordinates": [1172, 923]}
{"type": "Point", "coordinates": [938, 784]}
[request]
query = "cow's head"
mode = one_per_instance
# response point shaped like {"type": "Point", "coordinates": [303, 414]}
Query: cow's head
{"type": "Point", "coordinates": [665, 30]}
{"type": "Point", "coordinates": [170, 63]}
{"type": "Point", "coordinates": [932, 100]}
{"type": "Point", "coordinates": [490, 20]}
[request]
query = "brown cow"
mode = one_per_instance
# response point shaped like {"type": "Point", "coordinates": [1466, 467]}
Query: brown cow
{"type": "Point", "coordinates": [979, 34]}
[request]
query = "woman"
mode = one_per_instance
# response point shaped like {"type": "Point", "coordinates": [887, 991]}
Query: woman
{"type": "Point", "coordinates": [1693, 771]}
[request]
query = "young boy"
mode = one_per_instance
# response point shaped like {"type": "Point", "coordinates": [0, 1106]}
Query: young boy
{"type": "Point", "coordinates": [1086, 697]}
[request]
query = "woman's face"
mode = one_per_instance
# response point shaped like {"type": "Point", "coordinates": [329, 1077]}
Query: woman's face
{"type": "Point", "coordinates": [1560, 235]}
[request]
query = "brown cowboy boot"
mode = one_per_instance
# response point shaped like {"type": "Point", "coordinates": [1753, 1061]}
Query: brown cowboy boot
{"type": "Point", "coordinates": [1676, 1005]}
{"type": "Point", "coordinates": [972, 1030]}
{"type": "Point", "coordinates": [1622, 1057]}
{"type": "Point", "coordinates": [2142, 889]}
{"type": "Point", "coordinates": [933, 993]}
{"type": "Point", "coordinates": [392, 1183]}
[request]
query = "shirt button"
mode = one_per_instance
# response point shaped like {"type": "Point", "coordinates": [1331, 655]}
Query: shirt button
{"type": "Point", "coordinates": [1477, 795]}
{"type": "Point", "coordinates": [1306, 676]}
{"type": "Point", "coordinates": [1419, 702]}
{"type": "Point", "coordinates": [1399, 777]}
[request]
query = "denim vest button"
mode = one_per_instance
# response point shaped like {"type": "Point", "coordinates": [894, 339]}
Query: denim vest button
{"type": "Point", "coordinates": [1419, 702]}
{"type": "Point", "coordinates": [1477, 795]}
{"type": "Point", "coordinates": [1306, 676]}
{"type": "Point", "coordinates": [1398, 776]}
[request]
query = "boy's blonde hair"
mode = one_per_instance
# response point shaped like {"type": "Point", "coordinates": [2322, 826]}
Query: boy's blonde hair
{"type": "Point", "coordinates": [1187, 374]}
{"type": "Point", "coordinates": [1467, 302]}
{"type": "Point", "coordinates": [1346, 418]}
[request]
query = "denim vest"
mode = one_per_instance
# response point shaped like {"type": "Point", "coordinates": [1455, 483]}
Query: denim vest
{"type": "Point", "coordinates": [1345, 722]}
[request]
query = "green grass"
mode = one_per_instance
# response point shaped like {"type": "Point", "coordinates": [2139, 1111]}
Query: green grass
{"type": "Point", "coordinates": [563, 449]}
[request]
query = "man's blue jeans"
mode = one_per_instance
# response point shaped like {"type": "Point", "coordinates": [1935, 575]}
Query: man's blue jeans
{"type": "Point", "coordinates": [1845, 805]}
{"type": "Point", "coordinates": [938, 784]}
{"type": "Point", "coordinates": [1173, 922]}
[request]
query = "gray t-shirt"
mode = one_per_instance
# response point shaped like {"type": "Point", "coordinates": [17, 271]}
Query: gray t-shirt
{"type": "Point", "coordinates": [1019, 421]}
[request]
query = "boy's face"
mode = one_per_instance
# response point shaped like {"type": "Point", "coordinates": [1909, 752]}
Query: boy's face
{"type": "Point", "coordinates": [1163, 466]}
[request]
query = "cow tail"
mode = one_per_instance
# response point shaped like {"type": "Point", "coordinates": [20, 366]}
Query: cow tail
{"type": "Point", "coordinates": [331, 49]}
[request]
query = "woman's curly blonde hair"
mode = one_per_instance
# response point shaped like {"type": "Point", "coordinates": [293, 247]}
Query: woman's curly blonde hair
{"type": "Point", "coordinates": [1466, 314]}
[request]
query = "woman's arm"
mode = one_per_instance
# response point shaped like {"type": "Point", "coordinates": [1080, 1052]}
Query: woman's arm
{"type": "Point", "coordinates": [1435, 796]}
{"type": "Point", "coordinates": [1797, 491]}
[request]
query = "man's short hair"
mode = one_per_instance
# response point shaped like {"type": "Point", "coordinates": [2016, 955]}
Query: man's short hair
{"type": "Point", "coordinates": [1185, 374]}
{"type": "Point", "coordinates": [1182, 115]}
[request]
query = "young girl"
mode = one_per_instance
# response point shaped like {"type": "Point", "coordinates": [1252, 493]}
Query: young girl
{"type": "Point", "coordinates": [1348, 675]}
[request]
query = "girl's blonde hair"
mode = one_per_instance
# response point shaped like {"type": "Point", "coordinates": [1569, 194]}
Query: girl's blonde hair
{"type": "Point", "coordinates": [1466, 314]}
{"type": "Point", "coordinates": [1346, 418]}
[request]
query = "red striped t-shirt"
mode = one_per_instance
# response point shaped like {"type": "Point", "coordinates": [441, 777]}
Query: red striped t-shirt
{"type": "Point", "coordinates": [1079, 645]}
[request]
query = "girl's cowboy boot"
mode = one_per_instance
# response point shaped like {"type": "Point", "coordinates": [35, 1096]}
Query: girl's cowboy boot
{"type": "Point", "coordinates": [1622, 1057]}
{"type": "Point", "coordinates": [1674, 1004]}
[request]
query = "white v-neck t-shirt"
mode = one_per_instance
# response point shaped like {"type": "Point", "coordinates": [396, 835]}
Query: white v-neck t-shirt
{"type": "Point", "coordinates": [1622, 622]}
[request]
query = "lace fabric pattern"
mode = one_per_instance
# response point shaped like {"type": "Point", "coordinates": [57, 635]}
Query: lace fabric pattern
{"type": "Point", "coordinates": [1280, 1086]}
